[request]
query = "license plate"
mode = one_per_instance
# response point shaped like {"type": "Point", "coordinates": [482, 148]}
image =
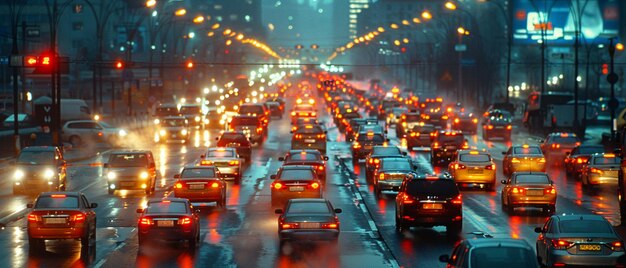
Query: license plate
{"type": "Point", "coordinates": [475, 171]}
{"type": "Point", "coordinates": [499, 127]}
{"type": "Point", "coordinates": [534, 192]}
{"type": "Point", "coordinates": [309, 141]}
{"type": "Point", "coordinates": [127, 183]}
{"type": "Point", "coordinates": [55, 220]}
{"type": "Point", "coordinates": [165, 223]}
{"type": "Point", "coordinates": [368, 147]}
{"type": "Point", "coordinates": [196, 186]}
{"type": "Point", "coordinates": [432, 206]}
{"type": "Point", "coordinates": [450, 147]}
{"type": "Point", "coordinates": [590, 247]}
{"type": "Point", "coordinates": [174, 136]}
{"type": "Point", "coordinates": [296, 188]}
{"type": "Point", "coordinates": [310, 225]}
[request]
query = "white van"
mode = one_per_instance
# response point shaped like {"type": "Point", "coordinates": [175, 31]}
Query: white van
{"type": "Point", "coordinates": [71, 109]}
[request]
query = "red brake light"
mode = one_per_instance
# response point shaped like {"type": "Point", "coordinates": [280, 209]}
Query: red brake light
{"type": "Point", "coordinates": [459, 166]}
{"type": "Point", "coordinates": [491, 167]}
{"type": "Point", "coordinates": [289, 226]}
{"type": "Point", "coordinates": [315, 185]}
{"type": "Point", "coordinates": [146, 221]}
{"type": "Point", "coordinates": [277, 185]}
{"type": "Point", "coordinates": [320, 168]}
{"type": "Point", "coordinates": [436, 145]}
{"type": "Point", "coordinates": [58, 196]}
{"type": "Point", "coordinates": [178, 185]}
{"type": "Point", "coordinates": [518, 190]}
{"type": "Point", "coordinates": [617, 246]}
{"type": "Point", "coordinates": [550, 190]}
{"type": "Point", "coordinates": [233, 162]}
{"type": "Point", "coordinates": [542, 160]}
{"type": "Point", "coordinates": [78, 217]}
{"type": "Point", "coordinates": [556, 146]}
{"type": "Point", "coordinates": [206, 162]}
{"type": "Point", "coordinates": [330, 225]}
{"type": "Point", "coordinates": [33, 217]}
{"type": "Point", "coordinates": [490, 127]}
{"type": "Point", "coordinates": [215, 185]}
{"type": "Point", "coordinates": [406, 199]}
{"type": "Point", "coordinates": [580, 160]}
{"type": "Point", "coordinates": [595, 170]}
{"type": "Point", "coordinates": [561, 244]}
{"type": "Point", "coordinates": [509, 127]}
{"type": "Point", "coordinates": [457, 200]}
{"type": "Point", "coordinates": [184, 221]}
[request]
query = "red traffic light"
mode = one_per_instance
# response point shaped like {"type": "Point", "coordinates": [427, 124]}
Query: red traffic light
{"type": "Point", "coordinates": [605, 69]}
{"type": "Point", "coordinates": [403, 49]}
{"type": "Point", "coordinates": [45, 60]}
{"type": "Point", "coordinates": [119, 65]}
{"type": "Point", "coordinates": [31, 61]}
{"type": "Point", "coordinates": [189, 64]}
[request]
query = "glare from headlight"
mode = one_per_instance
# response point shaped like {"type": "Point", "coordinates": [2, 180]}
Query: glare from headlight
{"type": "Point", "coordinates": [197, 119]}
{"type": "Point", "coordinates": [111, 175]}
{"type": "Point", "coordinates": [122, 133]}
{"type": "Point", "coordinates": [48, 174]}
{"type": "Point", "coordinates": [143, 175]}
{"type": "Point", "coordinates": [157, 121]}
{"type": "Point", "coordinates": [18, 175]}
{"type": "Point", "coordinates": [183, 132]}
{"type": "Point", "coordinates": [162, 132]}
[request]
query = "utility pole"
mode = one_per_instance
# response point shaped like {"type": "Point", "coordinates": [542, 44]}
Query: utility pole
{"type": "Point", "coordinates": [612, 78]}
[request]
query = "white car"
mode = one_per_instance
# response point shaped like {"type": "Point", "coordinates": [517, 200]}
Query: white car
{"type": "Point", "coordinates": [225, 159]}
{"type": "Point", "coordinates": [78, 132]}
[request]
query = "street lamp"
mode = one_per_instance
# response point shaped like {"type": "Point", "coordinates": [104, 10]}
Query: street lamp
{"type": "Point", "coordinates": [449, 5]}
{"type": "Point", "coordinates": [180, 12]}
{"type": "Point", "coordinates": [426, 15]}
{"type": "Point", "coordinates": [151, 3]}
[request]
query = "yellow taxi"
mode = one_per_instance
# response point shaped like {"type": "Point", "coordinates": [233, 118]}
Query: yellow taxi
{"type": "Point", "coordinates": [473, 168]}
{"type": "Point", "coordinates": [523, 158]}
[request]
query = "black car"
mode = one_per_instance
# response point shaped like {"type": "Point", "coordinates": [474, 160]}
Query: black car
{"type": "Point", "coordinates": [429, 200]}
{"type": "Point", "coordinates": [364, 142]}
{"type": "Point", "coordinates": [444, 146]}
{"type": "Point", "coordinates": [355, 124]}
{"type": "Point", "coordinates": [575, 160]}
{"type": "Point", "coordinates": [372, 161]}
{"type": "Point", "coordinates": [169, 219]}
{"type": "Point", "coordinates": [308, 219]}
{"type": "Point", "coordinates": [307, 157]}
{"type": "Point", "coordinates": [407, 121]}
{"type": "Point", "coordinates": [297, 181]}
{"type": "Point", "coordinates": [497, 127]}
{"type": "Point", "coordinates": [466, 122]}
{"type": "Point", "coordinates": [237, 140]}
{"type": "Point", "coordinates": [420, 135]}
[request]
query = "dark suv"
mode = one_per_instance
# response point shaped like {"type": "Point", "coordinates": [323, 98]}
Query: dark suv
{"type": "Point", "coordinates": [364, 142]}
{"type": "Point", "coordinates": [237, 140]}
{"type": "Point", "coordinates": [445, 145]}
{"type": "Point", "coordinates": [131, 170]}
{"type": "Point", "coordinates": [252, 126]}
{"type": "Point", "coordinates": [39, 168]}
{"type": "Point", "coordinates": [429, 200]}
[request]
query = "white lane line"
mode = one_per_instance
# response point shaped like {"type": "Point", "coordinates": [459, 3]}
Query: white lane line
{"type": "Point", "coordinates": [100, 263]}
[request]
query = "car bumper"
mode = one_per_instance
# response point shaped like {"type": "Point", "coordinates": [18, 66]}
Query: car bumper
{"type": "Point", "coordinates": [129, 185]}
{"type": "Point", "coordinates": [530, 201]}
{"type": "Point", "coordinates": [284, 196]}
{"type": "Point", "coordinates": [528, 167]}
{"type": "Point", "coordinates": [431, 220]}
{"type": "Point", "coordinates": [56, 233]}
{"type": "Point", "coordinates": [229, 170]}
{"type": "Point", "coordinates": [200, 196]}
{"type": "Point", "coordinates": [392, 185]}
{"type": "Point", "coordinates": [598, 179]}
{"type": "Point", "coordinates": [166, 234]}
{"type": "Point", "coordinates": [487, 176]}
{"type": "Point", "coordinates": [302, 234]}
{"type": "Point", "coordinates": [320, 146]}
{"type": "Point", "coordinates": [562, 256]}
{"type": "Point", "coordinates": [498, 133]}
{"type": "Point", "coordinates": [418, 142]}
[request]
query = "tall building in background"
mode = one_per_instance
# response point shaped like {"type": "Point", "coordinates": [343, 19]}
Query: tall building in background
{"type": "Point", "coordinates": [241, 15]}
{"type": "Point", "coordinates": [340, 20]}
{"type": "Point", "coordinates": [355, 7]}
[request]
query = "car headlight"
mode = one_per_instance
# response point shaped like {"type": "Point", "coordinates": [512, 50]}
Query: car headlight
{"type": "Point", "coordinates": [162, 132]}
{"type": "Point", "coordinates": [18, 175]}
{"type": "Point", "coordinates": [157, 121]}
{"type": "Point", "coordinates": [111, 175]}
{"type": "Point", "coordinates": [122, 133]}
{"type": "Point", "coordinates": [183, 132]}
{"type": "Point", "coordinates": [197, 118]}
{"type": "Point", "coordinates": [48, 174]}
{"type": "Point", "coordinates": [143, 175]}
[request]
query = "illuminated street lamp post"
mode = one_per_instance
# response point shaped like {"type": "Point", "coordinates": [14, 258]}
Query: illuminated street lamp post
{"type": "Point", "coordinates": [460, 47]}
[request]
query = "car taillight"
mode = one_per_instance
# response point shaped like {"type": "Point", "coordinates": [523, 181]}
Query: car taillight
{"type": "Point", "coordinates": [617, 246]}
{"type": "Point", "coordinates": [561, 244]}
{"type": "Point", "coordinates": [459, 166]}
{"type": "Point", "coordinates": [456, 120]}
{"type": "Point", "coordinates": [515, 160]}
{"type": "Point", "coordinates": [290, 226]}
{"type": "Point", "coordinates": [315, 185]}
{"type": "Point", "coordinates": [491, 167]}
{"type": "Point", "coordinates": [550, 190]}
{"type": "Point", "coordinates": [595, 170]}
{"type": "Point", "coordinates": [206, 162]}
{"type": "Point", "coordinates": [509, 127]}
{"type": "Point", "coordinates": [215, 185]}
{"type": "Point", "coordinates": [465, 145]}
{"type": "Point", "coordinates": [433, 134]}
{"type": "Point", "coordinates": [78, 218]}
{"type": "Point", "coordinates": [233, 162]}
{"type": "Point", "coordinates": [518, 190]}
{"type": "Point", "coordinates": [312, 114]}
{"type": "Point", "coordinates": [542, 160]}
{"type": "Point", "coordinates": [436, 145]}
{"type": "Point", "coordinates": [146, 221]}
{"type": "Point", "coordinates": [184, 221]}
{"type": "Point", "coordinates": [556, 146]}
{"type": "Point", "coordinates": [34, 218]}
{"type": "Point", "coordinates": [475, 120]}
{"type": "Point", "coordinates": [298, 136]}
{"type": "Point", "coordinates": [414, 134]}
{"type": "Point", "coordinates": [320, 168]}
{"type": "Point", "coordinates": [178, 185]}
{"type": "Point", "coordinates": [259, 130]}
{"type": "Point", "coordinates": [330, 225]}
{"type": "Point", "coordinates": [490, 127]}
{"type": "Point", "coordinates": [445, 117]}
{"type": "Point", "coordinates": [457, 200]}
{"type": "Point", "coordinates": [321, 136]}
{"type": "Point", "coordinates": [277, 185]}
{"type": "Point", "coordinates": [407, 199]}
{"type": "Point", "coordinates": [293, 113]}
{"type": "Point", "coordinates": [356, 145]}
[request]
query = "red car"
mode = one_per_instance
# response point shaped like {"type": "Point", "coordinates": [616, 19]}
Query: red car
{"type": "Point", "coordinates": [61, 215]}
{"type": "Point", "coordinates": [201, 184]}
{"type": "Point", "coordinates": [170, 219]}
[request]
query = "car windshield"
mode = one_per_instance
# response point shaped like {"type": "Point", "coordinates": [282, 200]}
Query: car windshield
{"type": "Point", "coordinates": [585, 226]}
{"type": "Point", "coordinates": [62, 201]}
{"type": "Point", "coordinates": [309, 129]}
{"type": "Point", "coordinates": [244, 121]}
{"type": "Point", "coordinates": [532, 179]}
{"type": "Point", "coordinates": [457, 139]}
{"type": "Point", "coordinates": [303, 157]}
{"type": "Point", "coordinates": [606, 160]}
{"type": "Point", "coordinates": [475, 158]}
{"type": "Point", "coordinates": [128, 160]}
{"type": "Point", "coordinates": [402, 164]}
{"type": "Point", "coordinates": [171, 207]}
{"type": "Point", "coordinates": [251, 109]}
{"type": "Point", "coordinates": [565, 140]}
{"type": "Point", "coordinates": [439, 187]}
{"type": "Point", "coordinates": [32, 157]}
{"type": "Point", "coordinates": [190, 110]}
{"type": "Point", "coordinates": [510, 257]}
{"type": "Point", "coordinates": [529, 150]}
{"type": "Point", "coordinates": [296, 174]}
{"type": "Point", "coordinates": [590, 149]}
{"type": "Point", "coordinates": [198, 173]}
{"type": "Point", "coordinates": [308, 208]}
{"type": "Point", "coordinates": [174, 122]}
{"type": "Point", "coordinates": [220, 153]}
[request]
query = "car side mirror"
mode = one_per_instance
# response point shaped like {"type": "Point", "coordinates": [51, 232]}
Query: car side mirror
{"type": "Point", "coordinates": [29, 205]}
{"type": "Point", "coordinates": [273, 176]}
{"type": "Point", "coordinates": [176, 176]}
{"type": "Point", "coordinates": [217, 138]}
{"type": "Point", "coordinates": [93, 205]}
{"type": "Point", "coordinates": [278, 211]}
{"type": "Point", "coordinates": [326, 158]}
{"type": "Point", "coordinates": [281, 158]}
{"type": "Point", "coordinates": [538, 230]}
{"type": "Point", "coordinates": [140, 210]}
{"type": "Point", "coordinates": [503, 181]}
{"type": "Point", "coordinates": [106, 165]}
{"type": "Point", "coordinates": [338, 210]}
{"type": "Point", "coordinates": [444, 258]}
{"type": "Point", "coordinates": [386, 132]}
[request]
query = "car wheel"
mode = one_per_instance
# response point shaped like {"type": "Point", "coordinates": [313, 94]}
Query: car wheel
{"type": "Point", "coordinates": [510, 208]}
{"type": "Point", "coordinates": [85, 241]}
{"type": "Point", "coordinates": [36, 246]}
{"type": "Point", "coordinates": [75, 141]}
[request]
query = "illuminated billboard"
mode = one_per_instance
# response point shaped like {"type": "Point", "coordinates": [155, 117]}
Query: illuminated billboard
{"type": "Point", "coordinates": [558, 19]}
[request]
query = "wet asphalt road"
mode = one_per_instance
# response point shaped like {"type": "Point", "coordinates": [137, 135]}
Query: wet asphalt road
{"type": "Point", "coordinates": [244, 234]}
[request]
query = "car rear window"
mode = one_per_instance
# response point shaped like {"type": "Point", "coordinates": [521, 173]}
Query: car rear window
{"type": "Point", "coordinates": [244, 121]}
{"type": "Point", "coordinates": [591, 150]}
{"type": "Point", "coordinates": [475, 158]}
{"type": "Point", "coordinates": [387, 150]}
{"type": "Point", "coordinates": [164, 111]}
{"type": "Point", "coordinates": [423, 130]}
{"type": "Point", "coordinates": [565, 140]}
{"type": "Point", "coordinates": [309, 129]}
{"type": "Point", "coordinates": [296, 174]}
{"type": "Point", "coordinates": [174, 122]}
{"type": "Point", "coordinates": [44, 157]}
{"type": "Point", "coordinates": [166, 207]}
{"type": "Point", "coordinates": [216, 153]}
{"type": "Point", "coordinates": [440, 187]}
{"type": "Point", "coordinates": [251, 109]}
{"type": "Point", "coordinates": [584, 226]}
{"type": "Point", "coordinates": [413, 117]}
{"type": "Point", "coordinates": [198, 173]}
{"type": "Point", "coordinates": [303, 157]}
{"type": "Point", "coordinates": [308, 207]}
{"type": "Point", "coordinates": [402, 164]}
{"type": "Point", "coordinates": [529, 150]}
{"type": "Point", "coordinates": [128, 160]}
{"type": "Point", "coordinates": [237, 137]}
{"type": "Point", "coordinates": [458, 139]}
{"type": "Point", "coordinates": [606, 160]}
{"type": "Point", "coordinates": [190, 110]}
{"type": "Point", "coordinates": [372, 138]}
{"type": "Point", "coordinates": [531, 178]}
{"type": "Point", "coordinates": [57, 202]}
{"type": "Point", "coordinates": [510, 257]}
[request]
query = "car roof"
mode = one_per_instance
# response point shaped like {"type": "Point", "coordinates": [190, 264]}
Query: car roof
{"type": "Point", "coordinates": [529, 173]}
{"type": "Point", "coordinates": [308, 200]}
{"type": "Point", "coordinates": [39, 148]}
{"type": "Point", "coordinates": [83, 121]}
{"type": "Point", "coordinates": [221, 149]}
{"type": "Point", "coordinates": [60, 193]}
{"type": "Point", "coordinates": [572, 217]}
{"type": "Point", "coordinates": [299, 167]}
{"type": "Point", "coordinates": [251, 104]}
{"type": "Point", "coordinates": [498, 242]}
{"type": "Point", "coordinates": [199, 167]}
{"type": "Point", "coordinates": [245, 116]}
{"type": "Point", "coordinates": [168, 105]}
{"type": "Point", "coordinates": [131, 151]}
{"type": "Point", "coordinates": [173, 199]}
{"type": "Point", "coordinates": [308, 151]}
